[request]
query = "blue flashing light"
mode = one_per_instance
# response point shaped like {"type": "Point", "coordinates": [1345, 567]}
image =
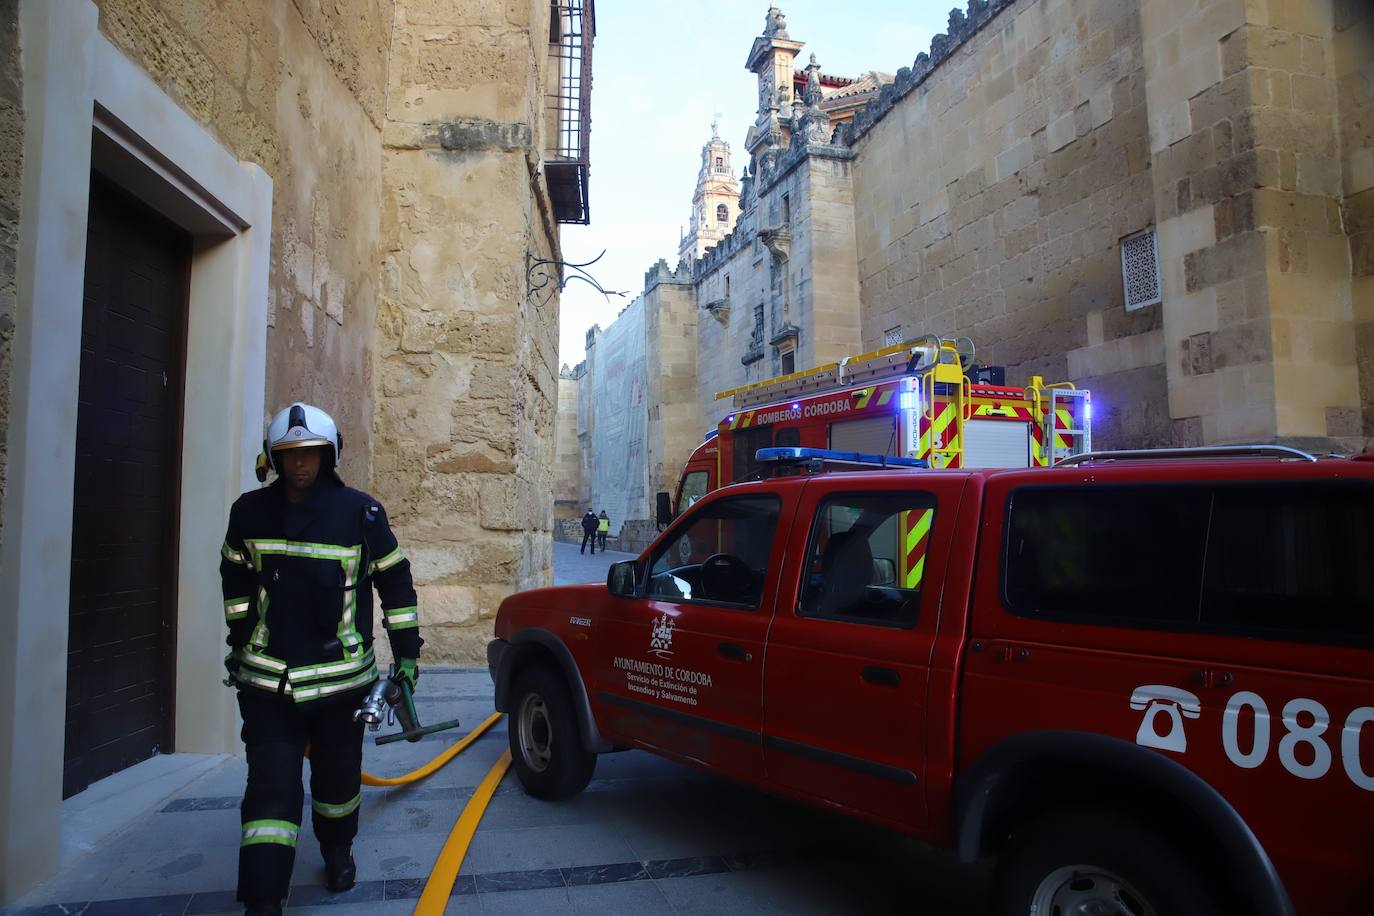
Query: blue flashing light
{"type": "Point", "coordinates": [910, 399]}
{"type": "Point", "coordinates": [730, 419]}
{"type": "Point", "coordinates": [797, 455]}
{"type": "Point", "coordinates": [796, 405]}
{"type": "Point", "coordinates": [1087, 410]}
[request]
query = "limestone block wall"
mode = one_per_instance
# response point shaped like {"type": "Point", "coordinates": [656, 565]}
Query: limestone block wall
{"type": "Point", "coordinates": [1352, 48]}
{"type": "Point", "coordinates": [11, 176]}
{"type": "Point", "coordinates": [723, 333]}
{"type": "Point", "coordinates": [1260, 326]}
{"type": "Point", "coordinates": [674, 422]}
{"type": "Point", "coordinates": [299, 90]}
{"type": "Point", "coordinates": [467, 356]}
{"type": "Point", "coordinates": [990, 200]}
{"type": "Point", "coordinates": [567, 470]}
{"type": "Point", "coordinates": [824, 261]}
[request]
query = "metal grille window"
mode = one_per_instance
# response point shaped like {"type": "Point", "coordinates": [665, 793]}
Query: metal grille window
{"type": "Point", "coordinates": [1140, 270]}
{"type": "Point", "coordinates": [567, 157]}
{"type": "Point", "coordinates": [892, 336]}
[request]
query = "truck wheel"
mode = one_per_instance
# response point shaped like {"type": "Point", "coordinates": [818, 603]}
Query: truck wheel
{"type": "Point", "coordinates": [1078, 861]}
{"type": "Point", "coordinates": [545, 749]}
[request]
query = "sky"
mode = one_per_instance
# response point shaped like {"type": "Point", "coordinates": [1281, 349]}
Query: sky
{"type": "Point", "coordinates": [661, 71]}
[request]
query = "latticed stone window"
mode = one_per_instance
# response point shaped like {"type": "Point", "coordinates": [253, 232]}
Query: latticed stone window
{"type": "Point", "coordinates": [892, 336]}
{"type": "Point", "coordinates": [1140, 269]}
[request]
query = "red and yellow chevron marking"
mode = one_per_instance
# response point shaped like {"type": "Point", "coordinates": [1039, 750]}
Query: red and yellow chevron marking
{"type": "Point", "coordinates": [934, 446]}
{"type": "Point", "coordinates": [1004, 411]}
{"type": "Point", "coordinates": [885, 397]}
{"type": "Point", "coordinates": [1063, 419]}
{"type": "Point", "coordinates": [743, 419]}
{"type": "Point", "coordinates": [915, 538]}
{"type": "Point", "coordinates": [1038, 457]}
{"type": "Point", "coordinates": [861, 398]}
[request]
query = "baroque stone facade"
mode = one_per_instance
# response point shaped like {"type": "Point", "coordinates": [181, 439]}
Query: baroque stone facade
{"type": "Point", "coordinates": [991, 188]}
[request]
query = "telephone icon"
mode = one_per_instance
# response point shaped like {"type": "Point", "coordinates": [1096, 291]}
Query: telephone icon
{"type": "Point", "coordinates": [1171, 702]}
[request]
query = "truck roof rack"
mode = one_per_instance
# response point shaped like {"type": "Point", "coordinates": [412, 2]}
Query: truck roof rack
{"type": "Point", "coordinates": [814, 460]}
{"type": "Point", "coordinates": [1281, 452]}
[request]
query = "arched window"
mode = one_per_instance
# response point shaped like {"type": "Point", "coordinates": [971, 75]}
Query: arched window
{"type": "Point", "coordinates": [720, 164]}
{"type": "Point", "coordinates": [722, 213]}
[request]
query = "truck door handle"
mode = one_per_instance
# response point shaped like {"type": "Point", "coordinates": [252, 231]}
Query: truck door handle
{"type": "Point", "coordinates": [883, 677]}
{"type": "Point", "coordinates": [733, 652]}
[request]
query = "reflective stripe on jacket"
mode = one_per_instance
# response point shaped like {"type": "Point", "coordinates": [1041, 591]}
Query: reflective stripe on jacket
{"type": "Point", "coordinates": [298, 580]}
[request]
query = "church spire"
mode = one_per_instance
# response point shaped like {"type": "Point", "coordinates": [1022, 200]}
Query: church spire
{"type": "Point", "coordinates": [715, 202]}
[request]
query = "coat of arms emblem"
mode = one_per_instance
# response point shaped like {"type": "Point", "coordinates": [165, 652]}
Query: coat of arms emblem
{"type": "Point", "coordinates": [661, 637]}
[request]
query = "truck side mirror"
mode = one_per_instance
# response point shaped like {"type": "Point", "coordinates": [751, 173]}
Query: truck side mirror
{"type": "Point", "coordinates": [884, 571]}
{"type": "Point", "coordinates": [620, 579]}
{"type": "Point", "coordinates": [665, 510]}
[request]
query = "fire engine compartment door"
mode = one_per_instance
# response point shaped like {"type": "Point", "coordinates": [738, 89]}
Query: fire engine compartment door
{"type": "Point", "coordinates": [870, 435]}
{"type": "Point", "coordinates": [996, 444]}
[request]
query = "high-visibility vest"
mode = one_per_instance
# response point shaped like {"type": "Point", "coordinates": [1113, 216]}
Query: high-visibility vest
{"type": "Point", "coordinates": [603, 526]}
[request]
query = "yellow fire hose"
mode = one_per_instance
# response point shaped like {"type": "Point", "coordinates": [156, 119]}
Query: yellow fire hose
{"type": "Point", "coordinates": [430, 768]}
{"type": "Point", "coordinates": [445, 871]}
{"type": "Point", "coordinates": [440, 884]}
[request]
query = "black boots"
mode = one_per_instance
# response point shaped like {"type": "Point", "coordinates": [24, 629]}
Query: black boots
{"type": "Point", "coordinates": [340, 873]}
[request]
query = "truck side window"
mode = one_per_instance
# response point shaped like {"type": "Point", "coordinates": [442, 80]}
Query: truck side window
{"type": "Point", "coordinates": [1292, 562]}
{"type": "Point", "coordinates": [1107, 554]}
{"type": "Point", "coordinates": [693, 489]}
{"type": "Point", "coordinates": [866, 559]}
{"type": "Point", "coordinates": [719, 555]}
{"type": "Point", "coordinates": [1275, 561]}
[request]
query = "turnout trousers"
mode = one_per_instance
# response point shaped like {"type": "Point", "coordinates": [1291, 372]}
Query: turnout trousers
{"type": "Point", "coordinates": [275, 733]}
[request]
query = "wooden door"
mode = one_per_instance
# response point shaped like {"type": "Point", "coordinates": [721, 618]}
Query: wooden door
{"type": "Point", "coordinates": [124, 517]}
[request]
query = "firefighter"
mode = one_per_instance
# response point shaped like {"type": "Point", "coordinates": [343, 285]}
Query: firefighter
{"type": "Point", "coordinates": [298, 566]}
{"type": "Point", "coordinates": [589, 524]}
{"type": "Point", "coordinates": [603, 529]}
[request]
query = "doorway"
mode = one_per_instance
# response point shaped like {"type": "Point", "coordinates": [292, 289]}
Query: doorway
{"type": "Point", "coordinates": [122, 615]}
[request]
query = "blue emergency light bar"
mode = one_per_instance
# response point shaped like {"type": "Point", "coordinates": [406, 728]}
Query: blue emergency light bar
{"type": "Point", "coordinates": [793, 455]}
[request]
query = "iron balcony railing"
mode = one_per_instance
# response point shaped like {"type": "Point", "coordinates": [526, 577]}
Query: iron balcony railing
{"type": "Point", "coordinates": [572, 29]}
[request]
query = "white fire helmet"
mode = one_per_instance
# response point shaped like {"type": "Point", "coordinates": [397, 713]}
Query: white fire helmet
{"type": "Point", "coordinates": [298, 426]}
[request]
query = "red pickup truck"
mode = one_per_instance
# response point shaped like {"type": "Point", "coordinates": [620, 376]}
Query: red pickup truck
{"type": "Point", "coordinates": [1144, 682]}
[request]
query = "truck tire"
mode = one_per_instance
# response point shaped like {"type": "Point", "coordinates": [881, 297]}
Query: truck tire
{"type": "Point", "coordinates": [545, 748]}
{"type": "Point", "coordinates": [1079, 861]}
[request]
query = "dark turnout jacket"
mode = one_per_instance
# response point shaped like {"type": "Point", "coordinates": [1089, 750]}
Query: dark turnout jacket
{"type": "Point", "coordinates": [298, 581]}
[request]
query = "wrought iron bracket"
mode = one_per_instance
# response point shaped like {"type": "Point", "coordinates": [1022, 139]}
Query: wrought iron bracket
{"type": "Point", "coordinates": [539, 277]}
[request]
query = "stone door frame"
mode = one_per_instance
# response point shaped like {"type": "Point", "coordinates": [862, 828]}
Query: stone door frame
{"type": "Point", "coordinates": [87, 106]}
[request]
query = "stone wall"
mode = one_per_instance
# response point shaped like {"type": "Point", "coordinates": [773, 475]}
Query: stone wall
{"type": "Point", "coordinates": [670, 327]}
{"type": "Point", "coordinates": [11, 175]}
{"type": "Point", "coordinates": [467, 358]}
{"type": "Point", "coordinates": [1353, 58]}
{"type": "Point", "coordinates": [298, 89]}
{"type": "Point", "coordinates": [1245, 137]}
{"type": "Point", "coordinates": [990, 201]}
{"type": "Point", "coordinates": [567, 465]}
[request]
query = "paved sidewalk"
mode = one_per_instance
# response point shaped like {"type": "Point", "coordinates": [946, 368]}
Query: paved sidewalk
{"type": "Point", "coordinates": [571, 567]}
{"type": "Point", "coordinates": [647, 837]}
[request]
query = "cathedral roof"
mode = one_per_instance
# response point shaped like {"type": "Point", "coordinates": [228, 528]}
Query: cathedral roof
{"type": "Point", "coordinates": [871, 81]}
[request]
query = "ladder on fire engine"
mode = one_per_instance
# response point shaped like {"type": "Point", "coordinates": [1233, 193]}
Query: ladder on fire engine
{"type": "Point", "coordinates": [874, 366]}
{"type": "Point", "coordinates": [1065, 413]}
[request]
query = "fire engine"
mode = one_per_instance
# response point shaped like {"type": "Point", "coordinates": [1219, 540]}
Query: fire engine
{"type": "Point", "coordinates": [925, 400]}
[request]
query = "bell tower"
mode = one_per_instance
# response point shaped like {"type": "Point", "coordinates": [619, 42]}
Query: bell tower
{"type": "Point", "coordinates": [715, 203]}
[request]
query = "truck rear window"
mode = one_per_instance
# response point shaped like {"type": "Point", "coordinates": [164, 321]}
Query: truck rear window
{"type": "Point", "coordinates": [1288, 561]}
